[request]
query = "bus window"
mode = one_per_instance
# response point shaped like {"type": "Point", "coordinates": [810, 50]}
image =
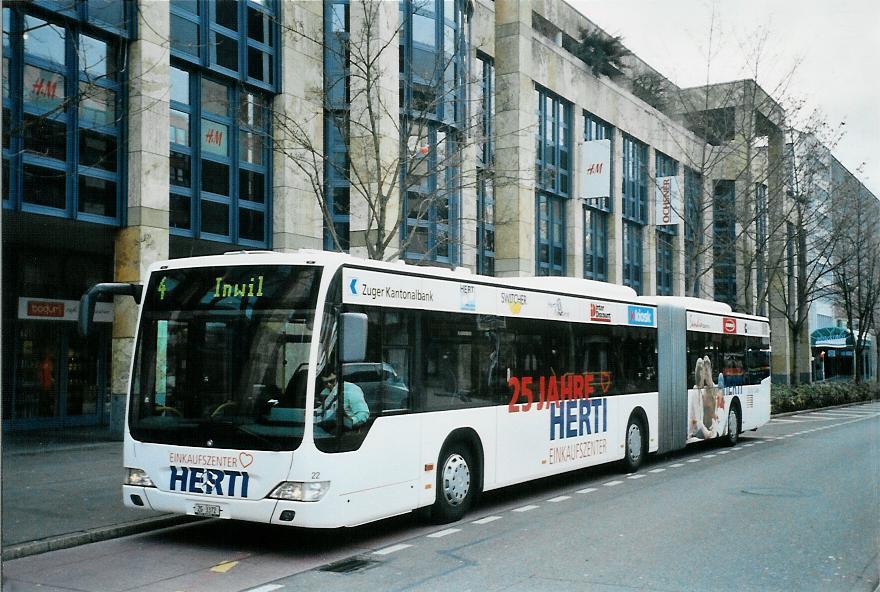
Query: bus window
{"type": "Point", "coordinates": [460, 361]}
{"type": "Point", "coordinates": [396, 359]}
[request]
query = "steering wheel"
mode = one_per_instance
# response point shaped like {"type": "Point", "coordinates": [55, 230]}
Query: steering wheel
{"type": "Point", "coordinates": [164, 409]}
{"type": "Point", "coordinates": [222, 407]}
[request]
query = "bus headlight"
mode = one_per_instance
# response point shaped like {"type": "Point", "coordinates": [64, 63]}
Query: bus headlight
{"type": "Point", "coordinates": [138, 477]}
{"type": "Point", "coordinates": [299, 491]}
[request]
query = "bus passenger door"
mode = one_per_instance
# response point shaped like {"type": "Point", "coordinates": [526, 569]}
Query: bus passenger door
{"type": "Point", "coordinates": [377, 427]}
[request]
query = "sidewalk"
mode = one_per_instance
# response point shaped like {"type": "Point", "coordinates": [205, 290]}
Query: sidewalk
{"type": "Point", "coordinates": [64, 488]}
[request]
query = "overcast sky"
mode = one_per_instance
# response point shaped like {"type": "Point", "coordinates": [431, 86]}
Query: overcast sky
{"type": "Point", "coordinates": [828, 50]}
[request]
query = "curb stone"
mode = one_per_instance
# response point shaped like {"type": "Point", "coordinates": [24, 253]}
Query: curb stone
{"type": "Point", "coordinates": [92, 535]}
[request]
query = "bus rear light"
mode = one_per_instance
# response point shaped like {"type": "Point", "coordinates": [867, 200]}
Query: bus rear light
{"type": "Point", "coordinates": [299, 491]}
{"type": "Point", "coordinates": [138, 477]}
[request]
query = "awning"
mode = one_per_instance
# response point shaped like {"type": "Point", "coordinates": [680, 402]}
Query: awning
{"type": "Point", "coordinates": [835, 338]}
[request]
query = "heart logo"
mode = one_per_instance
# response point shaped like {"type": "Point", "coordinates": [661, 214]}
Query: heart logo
{"type": "Point", "coordinates": [245, 459]}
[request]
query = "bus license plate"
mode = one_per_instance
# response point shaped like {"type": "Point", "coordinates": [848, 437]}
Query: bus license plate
{"type": "Point", "coordinates": [206, 510]}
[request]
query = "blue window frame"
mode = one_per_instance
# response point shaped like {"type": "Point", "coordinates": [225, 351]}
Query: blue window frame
{"type": "Point", "coordinates": [632, 255]}
{"type": "Point", "coordinates": [220, 160]}
{"type": "Point", "coordinates": [761, 221]}
{"type": "Point", "coordinates": [635, 209]}
{"type": "Point", "coordinates": [724, 242]}
{"type": "Point", "coordinates": [664, 262]}
{"type": "Point", "coordinates": [595, 244]}
{"type": "Point", "coordinates": [485, 101]}
{"type": "Point", "coordinates": [432, 186]}
{"type": "Point", "coordinates": [235, 38]}
{"type": "Point", "coordinates": [553, 144]}
{"type": "Point", "coordinates": [433, 59]}
{"type": "Point", "coordinates": [552, 180]}
{"type": "Point", "coordinates": [113, 16]}
{"type": "Point", "coordinates": [550, 217]}
{"type": "Point", "coordinates": [693, 231]}
{"type": "Point", "coordinates": [665, 166]}
{"type": "Point", "coordinates": [596, 210]}
{"type": "Point", "coordinates": [63, 122]}
{"type": "Point", "coordinates": [635, 180]}
{"type": "Point", "coordinates": [433, 51]}
{"type": "Point", "coordinates": [337, 188]}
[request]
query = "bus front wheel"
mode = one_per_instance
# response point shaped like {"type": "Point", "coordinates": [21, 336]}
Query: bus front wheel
{"type": "Point", "coordinates": [635, 445]}
{"type": "Point", "coordinates": [456, 483]}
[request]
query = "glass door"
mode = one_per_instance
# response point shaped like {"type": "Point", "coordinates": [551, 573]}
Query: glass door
{"type": "Point", "coordinates": [59, 377]}
{"type": "Point", "coordinates": [38, 378]}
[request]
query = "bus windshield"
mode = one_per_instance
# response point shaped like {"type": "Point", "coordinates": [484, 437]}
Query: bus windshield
{"type": "Point", "coordinates": [222, 356]}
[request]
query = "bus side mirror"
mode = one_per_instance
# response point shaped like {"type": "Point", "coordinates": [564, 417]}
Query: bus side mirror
{"type": "Point", "coordinates": [90, 298]}
{"type": "Point", "coordinates": [354, 337]}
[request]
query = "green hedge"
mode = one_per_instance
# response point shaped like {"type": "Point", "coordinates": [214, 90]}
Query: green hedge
{"type": "Point", "coordinates": [810, 396]}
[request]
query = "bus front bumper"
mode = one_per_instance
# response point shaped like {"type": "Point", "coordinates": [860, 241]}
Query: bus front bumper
{"type": "Point", "coordinates": [272, 511]}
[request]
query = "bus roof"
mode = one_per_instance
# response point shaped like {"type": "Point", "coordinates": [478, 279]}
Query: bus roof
{"type": "Point", "coordinates": [563, 285]}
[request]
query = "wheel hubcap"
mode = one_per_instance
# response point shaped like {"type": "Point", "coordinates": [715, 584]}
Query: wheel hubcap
{"type": "Point", "coordinates": [634, 442]}
{"type": "Point", "coordinates": [731, 424]}
{"type": "Point", "coordinates": [456, 479]}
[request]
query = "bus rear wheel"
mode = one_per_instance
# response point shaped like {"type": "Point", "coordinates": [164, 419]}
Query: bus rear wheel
{"type": "Point", "coordinates": [635, 445]}
{"type": "Point", "coordinates": [456, 483]}
{"type": "Point", "coordinates": [732, 436]}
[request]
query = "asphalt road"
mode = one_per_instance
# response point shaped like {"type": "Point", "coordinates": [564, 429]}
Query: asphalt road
{"type": "Point", "coordinates": [795, 506]}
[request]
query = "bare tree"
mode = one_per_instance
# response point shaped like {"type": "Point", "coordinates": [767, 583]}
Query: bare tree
{"type": "Point", "coordinates": [857, 257]}
{"type": "Point", "coordinates": [810, 234]}
{"type": "Point", "coordinates": [406, 122]}
{"type": "Point", "coordinates": [761, 216]}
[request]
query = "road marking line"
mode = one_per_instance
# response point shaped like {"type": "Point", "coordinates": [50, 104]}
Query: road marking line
{"type": "Point", "coordinates": [612, 483]}
{"type": "Point", "coordinates": [443, 533]}
{"type": "Point", "coordinates": [487, 520]}
{"type": "Point", "coordinates": [693, 460]}
{"type": "Point", "coordinates": [587, 490]}
{"type": "Point", "coordinates": [676, 465]}
{"type": "Point", "coordinates": [224, 566]}
{"type": "Point", "coordinates": [392, 549]}
{"type": "Point", "coordinates": [784, 420]}
{"type": "Point", "coordinates": [723, 452]}
{"type": "Point", "coordinates": [635, 477]}
{"type": "Point", "coordinates": [708, 456]}
{"type": "Point", "coordinates": [559, 498]}
{"type": "Point", "coordinates": [656, 470]}
{"type": "Point", "coordinates": [266, 588]}
{"type": "Point", "coordinates": [525, 509]}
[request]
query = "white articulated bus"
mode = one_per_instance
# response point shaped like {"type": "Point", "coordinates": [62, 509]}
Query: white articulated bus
{"type": "Point", "coordinates": [452, 384]}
